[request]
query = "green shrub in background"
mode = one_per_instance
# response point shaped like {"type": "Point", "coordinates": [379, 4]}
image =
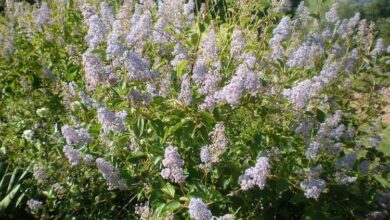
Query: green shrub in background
{"type": "Point", "coordinates": [183, 110]}
{"type": "Point", "coordinates": [372, 10]}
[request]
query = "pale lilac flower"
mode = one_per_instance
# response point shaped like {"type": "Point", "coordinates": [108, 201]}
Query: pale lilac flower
{"type": "Point", "coordinates": [238, 44]}
{"type": "Point", "coordinates": [375, 140]}
{"type": "Point", "coordinates": [198, 210]}
{"type": "Point", "coordinates": [280, 33]}
{"type": "Point", "coordinates": [209, 51]}
{"type": "Point", "coordinates": [115, 49]}
{"type": "Point", "coordinates": [34, 204]}
{"type": "Point", "coordinates": [40, 174]}
{"type": "Point", "coordinates": [332, 15]}
{"type": "Point", "coordinates": [252, 82]}
{"type": "Point", "coordinates": [243, 80]}
{"type": "Point", "coordinates": [209, 102]}
{"type": "Point", "coordinates": [202, 8]}
{"type": "Point", "coordinates": [75, 136]}
{"type": "Point", "coordinates": [210, 83]}
{"type": "Point", "coordinates": [303, 91]}
{"type": "Point", "coordinates": [210, 154]}
{"type": "Point", "coordinates": [232, 92]}
{"type": "Point", "coordinates": [159, 35]}
{"type": "Point", "coordinates": [176, 13]}
{"type": "Point", "coordinates": [88, 101]}
{"type": "Point", "coordinates": [111, 121]}
{"type": "Point", "coordinates": [188, 11]}
{"type": "Point", "coordinates": [226, 217]}
{"type": "Point", "coordinates": [137, 98]}
{"type": "Point", "coordinates": [143, 211]}
{"type": "Point", "coordinates": [281, 5]}
{"type": "Point", "coordinates": [108, 15]}
{"type": "Point", "coordinates": [338, 132]}
{"type": "Point", "coordinates": [353, 23]}
{"type": "Point", "coordinates": [344, 179]}
{"type": "Point", "coordinates": [138, 11]}
{"type": "Point", "coordinates": [379, 48]}
{"type": "Point", "coordinates": [180, 53]}
{"type": "Point", "coordinates": [328, 125]}
{"type": "Point", "coordinates": [89, 160]}
{"type": "Point", "coordinates": [328, 73]}
{"type": "Point", "coordinates": [346, 162]}
{"type": "Point", "coordinates": [314, 172]}
{"type": "Point", "coordinates": [335, 149]}
{"type": "Point", "coordinates": [327, 34]}
{"type": "Point", "coordinates": [199, 71]}
{"type": "Point", "coordinates": [312, 150]}
{"type": "Point", "coordinates": [111, 175]}
{"type": "Point", "coordinates": [57, 188]}
{"type": "Point", "coordinates": [255, 176]}
{"type": "Point", "coordinates": [97, 31]}
{"type": "Point", "coordinates": [137, 67]}
{"type": "Point", "coordinates": [185, 95]}
{"type": "Point", "coordinates": [28, 134]}
{"type": "Point", "coordinates": [120, 25]}
{"type": "Point", "coordinates": [42, 15]}
{"type": "Point", "coordinates": [248, 58]}
{"type": "Point", "coordinates": [337, 51]}
{"type": "Point", "coordinates": [363, 35]}
{"type": "Point", "coordinates": [94, 70]}
{"type": "Point", "coordinates": [277, 51]}
{"type": "Point", "coordinates": [9, 44]}
{"type": "Point", "coordinates": [152, 90]}
{"type": "Point", "coordinates": [350, 62]}
{"type": "Point", "coordinates": [302, 16]}
{"type": "Point", "coordinates": [141, 30]}
{"type": "Point", "coordinates": [205, 157]}
{"type": "Point", "coordinates": [165, 84]}
{"type": "Point", "coordinates": [305, 127]}
{"type": "Point", "coordinates": [173, 165]}
{"type": "Point", "coordinates": [347, 26]}
{"type": "Point", "coordinates": [376, 215]}
{"type": "Point", "coordinates": [87, 11]}
{"type": "Point", "coordinates": [299, 94]}
{"type": "Point", "coordinates": [364, 167]}
{"type": "Point", "coordinates": [313, 188]}
{"type": "Point", "coordinates": [305, 55]}
{"type": "Point", "coordinates": [74, 156]}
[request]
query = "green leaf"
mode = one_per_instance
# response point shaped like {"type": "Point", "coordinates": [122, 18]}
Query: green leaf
{"type": "Point", "coordinates": [3, 178]}
{"type": "Point", "coordinates": [171, 207]}
{"type": "Point", "coordinates": [158, 126]}
{"type": "Point", "coordinates": [281, 186]}
{"type": "Point", "coordinates": [169, 190]}
{"type": "Point", "coordinates": [317, 16]}
{"type": "Point", "coordinates": [137, 155]}
{"type": "Point", "coordinates": [139, 127]}
{"type": "Point", "coordinates": [173, 129]}
{"type": "Point", "coordinates": [8, 199]}
{"type": "Point", "coordinates": [20, 198]}
{"type": "Point", "coordinates": [181, 67]}
{"type": "Point", "coordinates": [202, 27]}
{"type": "Point", "coordinates": [159, 209]}
{"type": "Point", "coordinates": [11, 181]}
{"type": "Point", "coordinates": [194, 39]}
{"type": "Point", "coordinates": [320, 115]}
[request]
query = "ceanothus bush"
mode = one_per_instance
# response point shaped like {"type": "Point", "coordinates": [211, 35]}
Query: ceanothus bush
{"type": "Point", "coordinates": [183, 109]}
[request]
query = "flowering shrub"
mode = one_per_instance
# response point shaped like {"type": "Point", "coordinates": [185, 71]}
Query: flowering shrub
{"type": "Point", "coordinates": [189, 110]}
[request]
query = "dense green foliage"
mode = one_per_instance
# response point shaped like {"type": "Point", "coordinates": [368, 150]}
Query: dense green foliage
{"type": "Point", "coordinates": [44, 85]}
